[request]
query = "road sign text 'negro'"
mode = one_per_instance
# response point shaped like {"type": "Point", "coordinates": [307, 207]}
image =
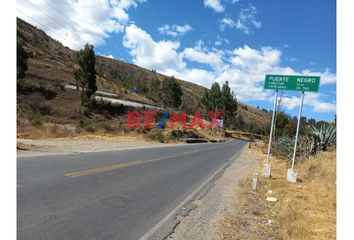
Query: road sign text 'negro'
{"type": "Point", "coordinates": [289, 82]}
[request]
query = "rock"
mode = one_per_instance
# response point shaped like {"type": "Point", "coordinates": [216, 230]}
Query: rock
{"type": "Point", "coordinates": [269, 222]}
{"type": "Point", "coordinates": [271, 199]}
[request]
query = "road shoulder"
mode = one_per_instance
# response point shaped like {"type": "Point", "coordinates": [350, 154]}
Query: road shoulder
{"type": "Point", "coordinates": [202, 221]}
{"type": "Point", "coordinates": [29, 147]}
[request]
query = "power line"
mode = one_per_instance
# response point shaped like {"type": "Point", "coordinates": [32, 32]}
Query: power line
{"type": "Point", "coordinates": [51, 30]}
{"type": "Point", "coordinates": [60, 24]}
{"type": "Point", "coordinates": [89, 23]}
{"type": "Point", "coordinates": [82, 18]}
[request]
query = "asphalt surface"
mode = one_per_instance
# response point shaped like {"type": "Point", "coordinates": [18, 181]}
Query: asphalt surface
{"type": "Point", "coordinates": [111, 195]}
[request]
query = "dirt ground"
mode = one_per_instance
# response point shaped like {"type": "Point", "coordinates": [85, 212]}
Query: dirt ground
{"type": "Point", "coordinates": [27, 147]}
{"type": "Point", "coordinates": [203, 221]}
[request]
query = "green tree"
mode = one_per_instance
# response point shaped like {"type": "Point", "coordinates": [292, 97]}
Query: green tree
{"type": "Point", "coordinates": [228, 103]}
{"type": "Point", "coordinates": [171, 92]}
{"type": "Point", "coordinates": [87, 60]}
{"type": "Point", "coordinates": [22, 57]}
{"type": "Point", "coordinates": [212, 98]}
{"type": "Point", "coordinates": [222, 100]}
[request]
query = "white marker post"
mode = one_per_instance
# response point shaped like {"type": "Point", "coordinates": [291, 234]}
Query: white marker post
{"type": "Point", "coordinates": [292, 174]}
{"type": "Point", "coordinates": [266, 166]}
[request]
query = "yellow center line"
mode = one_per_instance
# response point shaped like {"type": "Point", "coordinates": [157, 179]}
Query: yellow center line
{"type": "Point", "coordinates": [126, 164]}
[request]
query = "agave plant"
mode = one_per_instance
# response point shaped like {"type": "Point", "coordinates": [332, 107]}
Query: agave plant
{"type": "Point", "coordinates": [318, 140]}
{"type": "Point", "coordinates": [325, 136]}
{"type": "Point", "coordinates": [284, 147]}
{"type": "Point", "coordinates": [306, 146]}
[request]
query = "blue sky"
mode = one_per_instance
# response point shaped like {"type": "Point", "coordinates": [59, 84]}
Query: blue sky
{"type": "Point", "coordinates": [204, 41]}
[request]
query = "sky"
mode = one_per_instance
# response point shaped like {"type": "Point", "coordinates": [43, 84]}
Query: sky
{"type": "Point", "coordinates": [207, 41]}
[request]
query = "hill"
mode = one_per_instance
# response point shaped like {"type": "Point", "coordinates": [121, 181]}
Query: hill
{"type": "Point", "coordinates": [43, 99]}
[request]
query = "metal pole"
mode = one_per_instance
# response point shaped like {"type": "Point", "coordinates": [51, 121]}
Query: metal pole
{"type": "Point", "coordinates": [297, 131]}
{"type": "Point", "coordinates": [276, 113]}
{"type": "Point", "coordinates": [271, 127]}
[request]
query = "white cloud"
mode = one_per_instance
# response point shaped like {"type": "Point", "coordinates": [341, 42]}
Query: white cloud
{"type": "Point", "coordinates": [219, 41]}
{"type": "Point", "coordinates": [226, 22]}
{"type": "Point", "coordinates": [214, 4]}
{"type": "Point", "coordinates": [175, 30]}
{"type": "Point", "coordinates": [75, 23]}
{"type": "Point", "coordinates": [108, 56]}
{"type": "Point", "coordinates": [289, 102]}
{"type": "Point", "coordinates": [311, 99]}
{"type": "Point", "coordinates": [125, 4]}
{"type": "Point", "coordinates": [246, 20]}
{"type": "Point", "coordinates": [323, 107]}
{"type": "Point", "coordinates": [195, 75]}
{"type": "Point", "coordinates": [146, 52]}
{"type": "Point", "coordinates": [202, 55]}
{"type": "Point", "coordinates": [163, 56]}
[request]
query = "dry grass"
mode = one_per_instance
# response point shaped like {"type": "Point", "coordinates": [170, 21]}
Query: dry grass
{"type": "Point", "coordinates": [307, 210]}
{"type": "Point", "coordinates": [304, 210]}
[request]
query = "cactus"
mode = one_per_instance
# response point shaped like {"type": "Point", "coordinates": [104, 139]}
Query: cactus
{"type": "Point", "coordinates": [325, 136]}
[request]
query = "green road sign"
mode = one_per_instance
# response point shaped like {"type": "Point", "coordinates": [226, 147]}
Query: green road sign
{"type": "Point", "coordinates": [296, 83]}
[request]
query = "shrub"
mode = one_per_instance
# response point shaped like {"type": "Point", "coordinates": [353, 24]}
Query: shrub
{"type": "Point", "coordinates": [37, 122]}
{"type": "Point", "coordinates": [252, 138]}
{"type": "Point", "coordinates": [107, 127]}
{"type": "Point", "coordinates": [157, 135]}
{"type": "Point", "coordinates": [89, 128]}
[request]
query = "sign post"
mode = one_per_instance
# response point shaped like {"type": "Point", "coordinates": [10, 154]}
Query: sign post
{"type": "Point", "coordinates": [292, 174]}
{"type": "Point", "coordinates": [291, 83]}
{"type": "Point", "coordinates": [266, 166]}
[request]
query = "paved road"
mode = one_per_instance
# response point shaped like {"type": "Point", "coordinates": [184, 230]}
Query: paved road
{"type": "Point", "coordinates": [110, 195]}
